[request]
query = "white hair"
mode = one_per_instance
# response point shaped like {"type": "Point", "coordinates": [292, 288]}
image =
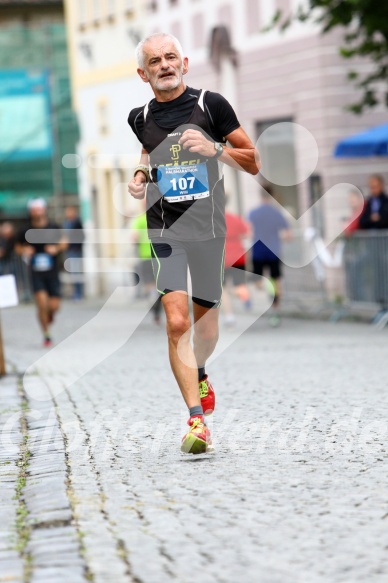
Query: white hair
{"type": "Point", "coordinates": [140, 47]}
{"type": "Point", "coordinates": [37, 203]}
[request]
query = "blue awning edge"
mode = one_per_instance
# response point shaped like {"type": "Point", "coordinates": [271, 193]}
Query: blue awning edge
{"type": "Point", "coordinates": [372, 142]}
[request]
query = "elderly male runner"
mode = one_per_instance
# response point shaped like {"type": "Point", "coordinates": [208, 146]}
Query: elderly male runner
{"type": "Point", "coordinates": [183, 132]}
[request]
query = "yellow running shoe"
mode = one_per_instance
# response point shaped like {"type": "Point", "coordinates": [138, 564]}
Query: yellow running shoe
{"type": "Point", "coordinates": [198, 439]}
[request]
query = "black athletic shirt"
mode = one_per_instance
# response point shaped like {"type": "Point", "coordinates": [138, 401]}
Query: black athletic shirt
{"type": "Point", "coordinates": [39, 247]}
{"type": "Point", "coordinates": [171, 114]}
{"type": "Point", "coordinates": [159, 134]}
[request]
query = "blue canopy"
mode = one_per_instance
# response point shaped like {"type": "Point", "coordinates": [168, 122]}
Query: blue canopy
{"type": "Point", "coordinates": [372, 142]}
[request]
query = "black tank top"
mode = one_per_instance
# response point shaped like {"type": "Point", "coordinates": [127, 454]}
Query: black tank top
{"type": "Point", "coordinates": [186, 197]}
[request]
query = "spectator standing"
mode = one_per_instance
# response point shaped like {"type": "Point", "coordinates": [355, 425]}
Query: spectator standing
{"type": "Point", "coordinates": [375, 214]}
{"type": "Point", "coordinates": [235, 262]}
{"type": "Point", "coordinates": [269, 227]}
{"type": "Point", "coordinates": [375, 217]}
{"type": "Point", "coordinates": [7, 244]}
{"type": "Point", "coordinates": [74, 249]}
{"type": "Point", "coordinates": [356, 207]}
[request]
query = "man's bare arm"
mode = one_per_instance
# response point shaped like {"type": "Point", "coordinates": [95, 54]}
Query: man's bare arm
{"type": "Point", "coordinates": [242, 155]}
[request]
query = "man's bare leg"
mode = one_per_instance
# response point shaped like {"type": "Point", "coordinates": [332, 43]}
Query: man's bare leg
{"type": "Point", "coordinates": [42, 304]}
{"type": "Point", "coordinates": [53, 307]}
{"type": "Point", "coordinates": [182, 360]}
{"type": "Point", "coordinates": [205, 332]}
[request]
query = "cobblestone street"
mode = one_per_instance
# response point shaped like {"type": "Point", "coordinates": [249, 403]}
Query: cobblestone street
{"type": "Point", "coordinates": [95, 488]}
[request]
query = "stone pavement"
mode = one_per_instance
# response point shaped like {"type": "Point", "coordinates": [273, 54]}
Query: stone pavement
{"type": "Point", "coordinates": [94, 487]}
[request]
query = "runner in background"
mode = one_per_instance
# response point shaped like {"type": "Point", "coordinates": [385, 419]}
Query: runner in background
{"type": "Point", "coordinates": [269, 228]}
{"type": "Point", "coordinates": [75, 247]}
{"type": "Point", "coordinates": [43, 265]}
{"type": "Point", "coordinates": [235, 264]}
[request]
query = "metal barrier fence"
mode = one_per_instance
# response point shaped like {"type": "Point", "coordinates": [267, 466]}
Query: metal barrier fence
{"type": "Point", "coordinates": [16, 266]}
{"type": "Point", "coordinates": [304, 288]}
{"type": "Point", "coordinates": [366, 269]}
{"type": "Point", "coordinates": [362, 259]}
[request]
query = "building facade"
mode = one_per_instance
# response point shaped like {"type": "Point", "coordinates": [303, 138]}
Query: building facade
{"type": "Point", "coordinates": [272, 77]}
{"type": "Point", "coordinates": [38, 126]}
{"type": "Point", "coordinates": [269, 77]}
{"type": "Point", "coordinates": [102, 36]}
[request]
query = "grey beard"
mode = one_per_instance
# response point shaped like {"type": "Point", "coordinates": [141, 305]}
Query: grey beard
{"type": "Point", "coordinates": [171, 87]}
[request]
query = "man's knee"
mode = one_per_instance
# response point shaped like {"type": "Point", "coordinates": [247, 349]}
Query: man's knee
{"type": "Point", "coordinates": [177, 325]}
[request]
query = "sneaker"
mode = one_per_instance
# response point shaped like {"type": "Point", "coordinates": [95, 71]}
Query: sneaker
{"type": "Point", "coordinates": [198, 439]}
{"type": "Point", "coordinates": [47, 342]}
{"type": "Point", "coordinates": [208, 397]}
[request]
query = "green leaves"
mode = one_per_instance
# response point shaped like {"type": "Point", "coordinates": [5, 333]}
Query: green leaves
{"type": "Point", "coordinates": [365, 26]}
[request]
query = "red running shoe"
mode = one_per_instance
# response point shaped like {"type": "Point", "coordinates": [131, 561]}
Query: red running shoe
{"type": "Point", "coordinates": [208, 397]}
{"type": "Point", "coordinates": [47, 342]}
{"type": "Point", "coordinates": [198, 439]}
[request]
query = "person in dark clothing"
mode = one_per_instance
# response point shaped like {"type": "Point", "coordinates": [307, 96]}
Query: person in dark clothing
{"type": "Point", "coordinates": [184, 133]}
{"type": "Point", "coordinates": [7, 244]}
{"type": "Point", "coordinates": [44, 268]}
{"type": "Point", "coordinates": [375, 214]}
{"type": "Point", "coordinates": [74, 249]}
{"type": "Point", "coordinates": [269, 229]}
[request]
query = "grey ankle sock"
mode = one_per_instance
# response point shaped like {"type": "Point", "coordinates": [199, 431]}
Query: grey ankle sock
{"type": "Point", "coordinates": [195, 411]}
{"type": "Point", "coordinates": [201, 372]}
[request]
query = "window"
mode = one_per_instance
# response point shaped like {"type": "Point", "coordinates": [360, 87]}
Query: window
{"type": "Point", "coordinates": [225, 16]}
{"type": "Point", "coordinates": [176, 29]}
{"type": "Point", "coordinates": [102, 116]}
{"type": "Point", "coordinates": [111, 8]}
{"type": "Point", "coordinates": [96, 11]}
{"type": "Point", "coordinates": [198, 31]}
{"type": "Point", "coordinates": [277, 152]}
{"type": "Point", "coordinates": [129, 6]}
{"type": "Point", "coordinates": [252, 16]}
{"type": "Point", "coordinates": [82, 16]}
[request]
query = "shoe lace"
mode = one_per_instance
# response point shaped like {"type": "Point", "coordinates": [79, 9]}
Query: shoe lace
{"type": "Point", "coordinates": [195, 423]}
{"type": "Point", "coordinates": [203, 389]}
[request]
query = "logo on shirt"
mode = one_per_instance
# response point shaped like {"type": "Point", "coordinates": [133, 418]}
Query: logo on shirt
{"type": "Point", "coordinates": [175, 149]}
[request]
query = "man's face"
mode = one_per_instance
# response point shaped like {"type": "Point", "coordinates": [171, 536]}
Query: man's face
{"type": "Point", "coordinates": [163, 65]}
{"type": "Point", "coordinates": [38, 213]}
{"type": "Point", "coordinates": [375, 186]}
{"type": "Point", "coordinates": [355, 201]}
{"type": "Point", "coordinates": [70, 213]}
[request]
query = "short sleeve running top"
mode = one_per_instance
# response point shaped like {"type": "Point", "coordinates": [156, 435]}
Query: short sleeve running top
{"type": "Point", "coordinates": [181, 180]}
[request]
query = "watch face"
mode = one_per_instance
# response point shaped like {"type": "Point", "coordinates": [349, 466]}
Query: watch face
{"type": "Point", "coordinates": [219, 149]}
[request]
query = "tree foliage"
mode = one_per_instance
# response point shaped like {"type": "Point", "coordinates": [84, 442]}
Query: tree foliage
{"type": "Point", "coordinates": [365, 24]}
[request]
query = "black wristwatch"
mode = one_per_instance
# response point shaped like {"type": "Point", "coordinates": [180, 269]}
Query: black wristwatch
{"type": "Point", "coordinates": [218, 148]}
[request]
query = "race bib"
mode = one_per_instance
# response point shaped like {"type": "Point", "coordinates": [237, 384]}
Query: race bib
{"type": "Point", "coordinates": [180, 183]}
{"type": "Point", "coordinates": [42, 262]}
